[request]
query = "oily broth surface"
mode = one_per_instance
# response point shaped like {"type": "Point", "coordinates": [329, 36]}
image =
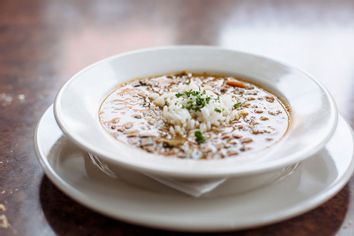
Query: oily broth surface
{"type": "Point", "coordinates": [130, 115]}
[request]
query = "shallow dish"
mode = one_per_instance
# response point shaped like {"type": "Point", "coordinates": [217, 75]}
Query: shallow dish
{"type": "Point", "coordinates": [151, 204]}
{"type": "Point", "coordinates": [313, 112]}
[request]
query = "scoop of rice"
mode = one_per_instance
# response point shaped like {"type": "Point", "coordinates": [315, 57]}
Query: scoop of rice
{"type": "Point", "coordinates": [217, 110]}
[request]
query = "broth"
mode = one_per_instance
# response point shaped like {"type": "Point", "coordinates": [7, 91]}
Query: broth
{"type": "Point", "coordinates": [195, 116]}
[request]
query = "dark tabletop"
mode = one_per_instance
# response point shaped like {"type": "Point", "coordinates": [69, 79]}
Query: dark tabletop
{"type": "Point", "coordinates": [43, 43]}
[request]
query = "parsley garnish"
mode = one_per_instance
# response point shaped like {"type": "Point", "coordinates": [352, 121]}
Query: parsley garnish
{"type": "Point", "coordinates": [199, 138]}
{"type": "Point", "coordinates": [178, 95]}
{"type": "Point", "coordinates": [237, 105]}
{"type": "Point", "coordinates": [195, 100]}
{"type": "Point", "coordinates": [217, 110]}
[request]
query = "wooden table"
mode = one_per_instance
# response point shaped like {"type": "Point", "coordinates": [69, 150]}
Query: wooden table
{"type": "Point", "coordinates": [43, 43]}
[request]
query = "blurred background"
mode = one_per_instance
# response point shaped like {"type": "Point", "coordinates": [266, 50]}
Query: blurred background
{"type": "Point", "coordinates": [57, 38]}
{"type": "Point", "coordinates": [44, 42]}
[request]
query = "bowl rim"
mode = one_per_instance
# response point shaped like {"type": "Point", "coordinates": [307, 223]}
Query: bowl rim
{"type": "Point", "coordinates": [248, 170]}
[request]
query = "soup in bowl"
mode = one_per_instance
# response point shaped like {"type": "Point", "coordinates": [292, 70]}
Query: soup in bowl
{"type": "Point", "coordinates": [198, 116]}
{"type": "Point", "coordinates": [196, 112]}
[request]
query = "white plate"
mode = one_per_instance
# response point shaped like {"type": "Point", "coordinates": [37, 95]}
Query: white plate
{"type": "Point", "coordinates": [313, 112]}
{"type": "Point", "coordinates": [315, 181]}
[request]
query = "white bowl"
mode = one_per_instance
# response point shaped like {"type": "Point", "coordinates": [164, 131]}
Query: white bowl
{"type": "Point", "coordinates": [313, 112]}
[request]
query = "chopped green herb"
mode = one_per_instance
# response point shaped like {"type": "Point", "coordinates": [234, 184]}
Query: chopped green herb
{"type": "Point", "coordinates": [178, 95]}
{"type": "Point", "coordinates": [217, 110]}
{"type": "Point", "coordinates": [199, 138]}
{"type": "Point", "coordinates": [196, 100]}
{"type": "Point", "coordinates": [237, 105]}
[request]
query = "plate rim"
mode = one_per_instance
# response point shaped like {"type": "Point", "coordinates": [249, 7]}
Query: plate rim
{"type": "Point", "coordinates": [294, 211]}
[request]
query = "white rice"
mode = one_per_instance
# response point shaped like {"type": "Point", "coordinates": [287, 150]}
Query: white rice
{"type": "Point", "coordinates": [184, 120]}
